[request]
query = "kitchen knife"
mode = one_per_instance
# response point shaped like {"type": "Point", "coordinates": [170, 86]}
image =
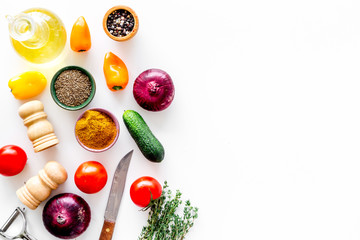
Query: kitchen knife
{"type": "Point", "coordinates": [116, 192]}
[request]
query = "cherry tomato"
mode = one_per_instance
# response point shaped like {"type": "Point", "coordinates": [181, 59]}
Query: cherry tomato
{"type": "Point", "coordinates": [144, 190]}
{"type": "Point", "coordinates": [12, 160]}
{"type": "Point", "coordinates": [90, 177]}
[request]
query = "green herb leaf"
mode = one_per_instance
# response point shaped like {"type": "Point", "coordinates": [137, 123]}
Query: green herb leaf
{"type": "Point", "coordinates": [164, 222]}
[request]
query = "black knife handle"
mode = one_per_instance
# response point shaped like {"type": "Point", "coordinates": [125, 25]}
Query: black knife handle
{"type": "Point", "coordinates": [107, 230]}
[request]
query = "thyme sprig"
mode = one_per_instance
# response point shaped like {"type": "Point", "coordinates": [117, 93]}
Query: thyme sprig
{"type": "Point", "coordinates": [164, 222]}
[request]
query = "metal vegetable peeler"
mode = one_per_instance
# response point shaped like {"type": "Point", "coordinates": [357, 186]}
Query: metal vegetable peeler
{"type": "Point", "coordinates": [23, 233]}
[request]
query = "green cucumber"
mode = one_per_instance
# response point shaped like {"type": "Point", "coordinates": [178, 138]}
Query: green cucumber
{"type": "Point", "coordinates": [148, 144]}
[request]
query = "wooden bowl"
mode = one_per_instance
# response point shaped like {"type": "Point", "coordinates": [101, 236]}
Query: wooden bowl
{"type": "Point", "coordinates": [134, 30]}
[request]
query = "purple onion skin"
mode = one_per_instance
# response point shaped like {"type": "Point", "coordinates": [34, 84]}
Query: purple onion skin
{"type": "Point", "coordinates": [154, 90]}
{"type": "Point", "coordinates": [66, 215]}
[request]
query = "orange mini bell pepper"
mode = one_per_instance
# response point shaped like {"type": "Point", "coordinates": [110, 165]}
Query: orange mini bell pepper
{"type": "Point", "coordinates": [115, 71]}
{"type": "Point", "coordinates": [80, 39]}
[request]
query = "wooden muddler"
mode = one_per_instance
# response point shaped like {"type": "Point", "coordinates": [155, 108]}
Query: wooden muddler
{"type": "Point", "coordinates": [40, 131]}
{"type": "Point", "coordinates": [39, 187]}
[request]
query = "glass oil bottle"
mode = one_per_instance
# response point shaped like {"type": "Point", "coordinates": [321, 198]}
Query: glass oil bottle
{"type": "Point", "coordinates": [37, 35]}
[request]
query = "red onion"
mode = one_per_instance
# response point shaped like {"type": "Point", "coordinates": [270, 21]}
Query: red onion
{"type": "Point", "coordinates": [154, 90]}
{"type": "Point", "coordinates": [66, 215]}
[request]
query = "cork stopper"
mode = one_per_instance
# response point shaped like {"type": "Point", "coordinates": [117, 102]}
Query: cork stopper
{"type": "Point", "coordinates": [40, 131]}
{"type": "Point", "coordinates": [38, 188]}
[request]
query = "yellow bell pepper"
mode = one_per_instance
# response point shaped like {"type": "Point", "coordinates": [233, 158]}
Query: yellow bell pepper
{"type": "Point", "coordinates": [28, 84]}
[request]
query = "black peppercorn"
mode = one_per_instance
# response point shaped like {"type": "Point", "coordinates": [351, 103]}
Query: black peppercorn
{"type": "Point", "coordinates": [120, 23]}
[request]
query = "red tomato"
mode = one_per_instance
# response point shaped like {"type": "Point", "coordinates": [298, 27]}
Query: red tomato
{"type": "Point", "coordinates": [145, 189]}
{"type": "Point", "coordinates": [12, 160]}
{"type": "Point", "coordinates": [90, 177]}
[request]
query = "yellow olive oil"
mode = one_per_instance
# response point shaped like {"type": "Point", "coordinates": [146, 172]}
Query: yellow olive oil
{"type": "Point", "coordinates": [37, 35]}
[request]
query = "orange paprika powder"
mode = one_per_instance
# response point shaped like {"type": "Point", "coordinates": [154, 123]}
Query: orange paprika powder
{"type": "Point", "coordinates": [95, 129]}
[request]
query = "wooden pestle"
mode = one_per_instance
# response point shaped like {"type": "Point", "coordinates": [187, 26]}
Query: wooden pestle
{"type": "Point", "coordinates": [39, 187]}
{"type": "Point", "coordinates": [40, 131]}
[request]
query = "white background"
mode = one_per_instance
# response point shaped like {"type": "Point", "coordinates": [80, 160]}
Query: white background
{"type": "Point", "coordinates": [263, 134]}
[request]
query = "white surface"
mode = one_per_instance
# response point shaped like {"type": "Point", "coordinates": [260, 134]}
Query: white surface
{"type": "Point", "coordinates": [263, 133]}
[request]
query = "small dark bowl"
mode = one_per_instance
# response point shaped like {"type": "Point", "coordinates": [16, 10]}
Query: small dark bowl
{"type": "Point", "coordinates": [112, 116]}
{"type": "Point", "coordinates": [84, 104]}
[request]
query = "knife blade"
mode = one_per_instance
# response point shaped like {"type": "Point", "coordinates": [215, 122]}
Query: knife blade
{"type": "Point", "coordinates": [115, 195]}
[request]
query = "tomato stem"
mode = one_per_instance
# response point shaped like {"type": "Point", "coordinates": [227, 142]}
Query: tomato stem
{"type": "Point", "coordinates": [151, 203]}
